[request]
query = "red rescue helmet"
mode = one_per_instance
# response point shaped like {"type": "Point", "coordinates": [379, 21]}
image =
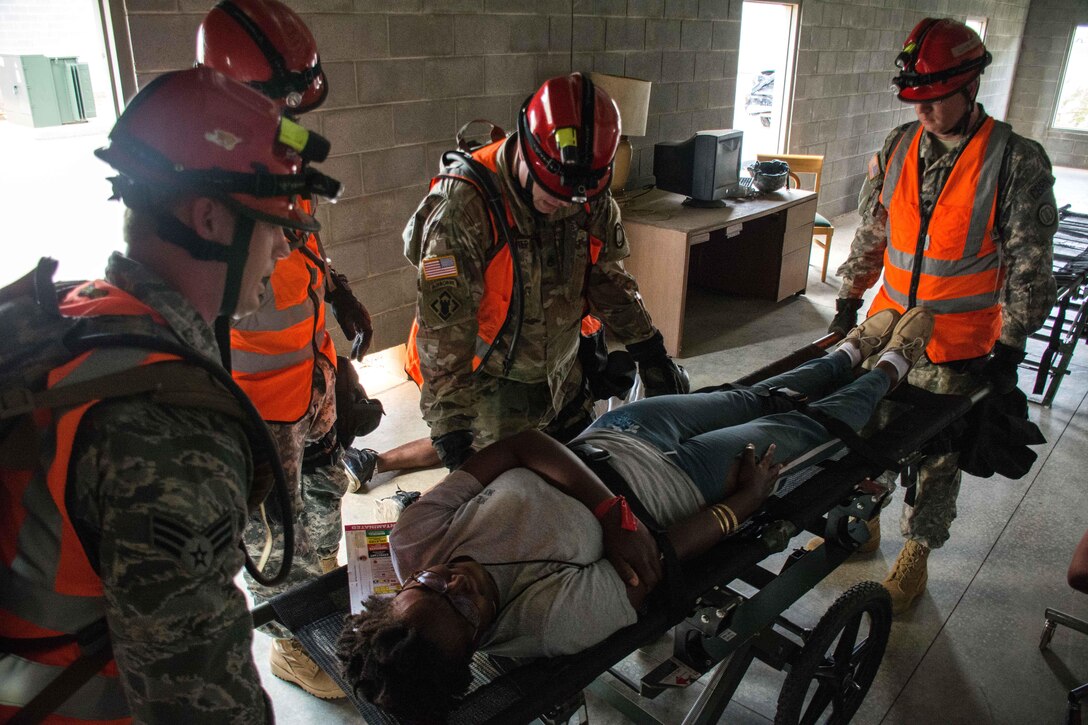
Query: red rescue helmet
{"type": "Point", "coordinates": [198, 132]}
{"type": "Point", "coordinates": [568, 132]}
{"type": "Point", "coordinates": [940, 57]}
{"type": "Point", "coordinates": [265, 44]}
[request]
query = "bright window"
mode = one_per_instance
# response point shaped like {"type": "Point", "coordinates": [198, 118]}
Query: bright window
{"type": "Point", "coordinates": [978, 25]}
{"type": "Point", "coordinates": [1072, 110]}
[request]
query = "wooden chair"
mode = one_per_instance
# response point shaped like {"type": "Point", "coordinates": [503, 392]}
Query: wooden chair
{"type": "Point", "coordinates": [822, 231]}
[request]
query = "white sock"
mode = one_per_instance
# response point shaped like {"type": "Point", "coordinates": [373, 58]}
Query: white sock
{"type": "Point", "coordinates": [852, 351]}
{"type": "Point", "coordinates": [895, 358]}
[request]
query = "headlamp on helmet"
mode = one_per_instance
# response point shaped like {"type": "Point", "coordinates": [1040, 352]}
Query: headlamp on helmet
{"type": "Point", "coordinates": [939, 58]}
{"type": "Point", "coordinates": [568, 132]}
{"type": "Point", "coordinates": [264, 44]}
{"type": "Point", "coordinates": [237, 148]}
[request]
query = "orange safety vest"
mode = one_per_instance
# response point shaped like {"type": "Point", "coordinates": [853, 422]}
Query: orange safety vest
{"type": "Point", "coordinates": [48, 587]}
{"type": "Point", "coordinates": [949, 262]}
{"type": "Point", "coordinates": [494, 310]}
{"type": "Point", "coordinates": [274, 350]}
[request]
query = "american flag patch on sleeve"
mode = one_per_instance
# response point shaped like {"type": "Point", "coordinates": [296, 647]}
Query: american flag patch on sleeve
{"type": "Point", "coordinates": [439, 267]}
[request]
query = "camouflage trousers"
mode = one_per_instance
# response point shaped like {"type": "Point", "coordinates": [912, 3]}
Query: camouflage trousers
{"type": "Point", "coordinates": [506, 407]}
{"type": "Point", "coordinates": [930, 517]}
{"type": "Point", "coordinates": [315, 498]}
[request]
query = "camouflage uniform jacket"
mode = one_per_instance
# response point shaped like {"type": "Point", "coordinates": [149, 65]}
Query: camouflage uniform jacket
{"type": "Point", "coordinates": [451, 221]}
{"type": "Point", "coordinates": [158, 497]}
{"type": "Point", "coordinates": [1025, 221]}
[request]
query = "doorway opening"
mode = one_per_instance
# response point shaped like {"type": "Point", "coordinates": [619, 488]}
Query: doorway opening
{"type": "Point", "coordinates": [57, 104]}
{"type": "Point", "coordinates": [768, 35]}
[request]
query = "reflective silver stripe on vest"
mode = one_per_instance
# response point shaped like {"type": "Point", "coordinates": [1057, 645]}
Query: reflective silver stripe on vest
{"type": "Point", "coordinates": [986, 189]}
{"type": "Point", "coordinates": [101, 698]}
{"type": "Point", "coordinates": [482, 347]}
{"type": "Point", "coordinates": [945, 267]}
{"type": "Point", "coordinates": [894, 171]}
{"type": "Point", "coordinates": [30, 599]}
{"type": "Point", "coordinates": [257, 362]}
{"type": "Point", "coordinates": [269, 319]}
{"type": "Point", "coordinates": [39, 541]}
{"type": "Point", "coordinates": [972, 303]}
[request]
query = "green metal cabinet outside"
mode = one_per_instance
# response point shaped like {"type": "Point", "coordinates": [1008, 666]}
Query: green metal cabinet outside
{"type": "Point", "coordinates": [39, 91]}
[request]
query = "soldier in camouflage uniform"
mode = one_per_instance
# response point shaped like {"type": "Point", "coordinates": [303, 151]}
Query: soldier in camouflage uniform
{"type": "Point", "coordinates": [283, 356]}
{"type": "Point", "coordinates": [158, 493]}
{"type": "Point", "coordinates": [499, 354]}
{"type": "Point", "coordinates": [941, 65]}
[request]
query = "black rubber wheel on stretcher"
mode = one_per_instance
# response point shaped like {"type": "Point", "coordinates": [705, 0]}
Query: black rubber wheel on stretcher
{"type": "Point", "coordinates": [831, 674]}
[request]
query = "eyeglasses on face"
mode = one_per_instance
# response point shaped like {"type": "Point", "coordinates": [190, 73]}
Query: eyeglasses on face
{"type": "Point", "coordinates": [440, 584]}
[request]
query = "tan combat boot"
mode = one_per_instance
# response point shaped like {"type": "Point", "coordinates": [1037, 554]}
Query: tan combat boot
{"type": "Point", "coordinates": [328, 563]}
{"type": "Point", "coordinates": [907, 579]}
{"type": "Point", "coordinates": [291, 663]}
{"type": "Point", "coordinates": [867, 548]}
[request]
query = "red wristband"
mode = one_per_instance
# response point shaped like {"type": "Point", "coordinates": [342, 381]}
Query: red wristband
{"type": "Point", "coordinates": [628, 522]}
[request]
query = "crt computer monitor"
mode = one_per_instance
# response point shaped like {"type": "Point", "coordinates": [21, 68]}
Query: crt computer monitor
{"type": "Point", "coordinates": [705, 167]}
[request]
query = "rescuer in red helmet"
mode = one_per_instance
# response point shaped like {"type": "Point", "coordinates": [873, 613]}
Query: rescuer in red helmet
{"type": "Point", "coordinates": [121, 543]}
{"type": "Point", "coordinates": [519, 245]}
{"type": "Point", "coordinates": [282, 355]}
{"type": "Point", "coordinates": [958, 214]}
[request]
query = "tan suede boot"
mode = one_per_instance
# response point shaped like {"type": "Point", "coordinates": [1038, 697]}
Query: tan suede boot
{"type": "Point", "coordinates": [329, 563]}
{"type": "Point", "coordinates": [290, 662]}
{"type": "Point", "coordinates": [907, 579]}
{"type": "Point", "coordinates": [867, 548]}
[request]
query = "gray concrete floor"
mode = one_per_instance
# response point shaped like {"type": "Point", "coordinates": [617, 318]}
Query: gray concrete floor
{"type": "Point", "coordinates": [968, 652]}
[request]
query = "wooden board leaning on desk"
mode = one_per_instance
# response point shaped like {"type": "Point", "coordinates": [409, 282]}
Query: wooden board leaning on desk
{"type": "Point", "coordinates": [756, 247]}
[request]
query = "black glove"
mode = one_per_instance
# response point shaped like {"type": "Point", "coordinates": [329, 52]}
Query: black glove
{"type": "Point", "coordinates": [846, 315]}
{"type": "Point", "coordinates": [356, 414]}
{"type": "Point", "coordinates": [1000, 369]}
{"type": "Point", "coordinates": [454, 447]}
{"type": "Point", "coordinates": [660, 375]}
{"type": "Point", "coordinates": [349, 311]}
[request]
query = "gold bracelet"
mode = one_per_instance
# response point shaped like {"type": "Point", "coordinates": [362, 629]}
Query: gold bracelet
{"type": "Point", "coordinates": [732, 516]}
{"type": "Point", "coordinates": [723, 519]}
{"type": "Point", "coordinates": [718, 517]}
{"type": "Point", "coordinates": [728, 528]}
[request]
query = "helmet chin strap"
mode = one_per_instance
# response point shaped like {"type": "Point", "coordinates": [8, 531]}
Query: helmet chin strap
{"type": "Point", "coordinates": [525, 191]}
{"type": "Point", "coordinates": [169, 228]}
{"type": "Point", "coordinates": [963, 124]}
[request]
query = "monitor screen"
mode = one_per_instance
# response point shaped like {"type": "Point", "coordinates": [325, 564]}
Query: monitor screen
{"type": "Point", "coordinates": [705, 167]}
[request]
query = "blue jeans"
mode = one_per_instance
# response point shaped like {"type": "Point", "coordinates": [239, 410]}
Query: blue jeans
{"type": "Point", "coordinates": [704, 433]}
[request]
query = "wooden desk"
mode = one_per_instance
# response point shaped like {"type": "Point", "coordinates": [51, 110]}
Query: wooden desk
{"type": "Point", "coordinates": [755, 247]}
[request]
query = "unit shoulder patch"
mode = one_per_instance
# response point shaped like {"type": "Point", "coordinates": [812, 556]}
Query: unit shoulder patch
{"type": "Point", "coordinates": [445, 305]}
{"type": "Point", "coordinates": [1047, 215]}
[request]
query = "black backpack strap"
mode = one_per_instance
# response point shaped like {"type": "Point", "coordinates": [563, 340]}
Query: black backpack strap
{"type": "Point", "coordinates": [673, 585]}
{"type": "Point", "coordinates": [95, 652]}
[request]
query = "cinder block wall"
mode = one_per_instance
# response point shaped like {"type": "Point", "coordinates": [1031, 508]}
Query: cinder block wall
{"type": "Point", "coordinates": [843, 106]}
{"type": "Point", "coordinates": [406, 74]}
{"type": "Point", "coordinates": [1047, 36]}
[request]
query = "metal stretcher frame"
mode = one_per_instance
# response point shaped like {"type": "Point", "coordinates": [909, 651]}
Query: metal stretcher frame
{"type": "Point", "coordinates": [829, 503]}
{"type": "Point", "coordinates": [1068, 320]}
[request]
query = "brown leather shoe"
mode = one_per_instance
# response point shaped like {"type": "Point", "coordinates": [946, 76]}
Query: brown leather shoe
{"type": "Point", "coordinates": [291, 663]}
{"type": "Point", "coordinates": [907, 579]}
{"type": "Point", "coordinates": [874, 333]}
{"type": "Point", "coordinates": [867, 548]}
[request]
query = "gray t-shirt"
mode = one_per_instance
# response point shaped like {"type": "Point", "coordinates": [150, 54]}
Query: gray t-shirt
{"type": "Point", "coordinates": [557, 594]}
